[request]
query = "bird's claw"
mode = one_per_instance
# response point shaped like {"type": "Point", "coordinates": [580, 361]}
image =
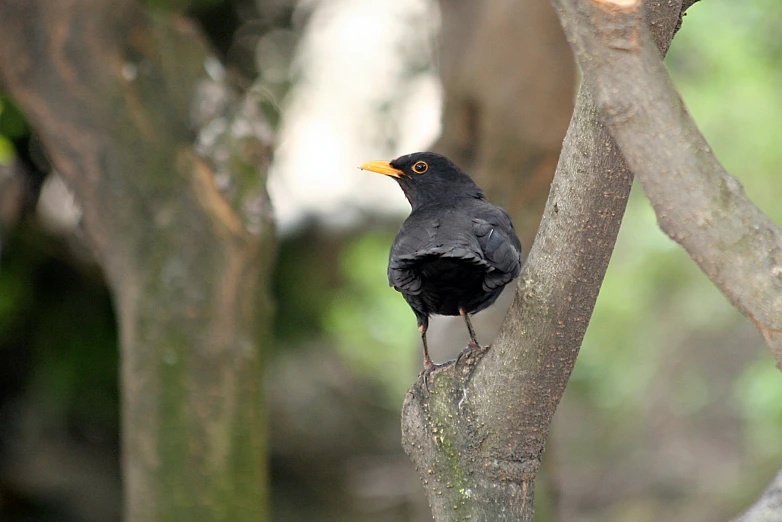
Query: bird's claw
{"type": "Point", "coordinates": [425, 376]}
{"type": "Point", "coordinates": [428, 369]}
{"type": "Point", "coordinates": [429, 366]}
{"type": "Point", "coordinates": [472, 345]}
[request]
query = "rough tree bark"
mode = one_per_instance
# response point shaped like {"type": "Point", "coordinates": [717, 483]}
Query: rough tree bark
{"type": "Point", "coordinates": [478, 437]}
{"type": "Point", "coordinates": [698, 204]}
{"type": "Point", "coordinates": [110, 92]}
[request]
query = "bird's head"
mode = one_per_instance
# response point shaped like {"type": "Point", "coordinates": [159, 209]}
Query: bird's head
{"type": "Point", "coordinates": [427, 177]}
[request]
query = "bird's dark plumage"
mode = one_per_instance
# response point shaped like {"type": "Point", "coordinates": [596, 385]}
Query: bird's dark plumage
{"type": "Point", "coordinates": [455, 252]}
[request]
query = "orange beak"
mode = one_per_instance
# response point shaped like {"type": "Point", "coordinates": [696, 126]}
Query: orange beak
{"type": "Point", "coordinates": [382, 167]}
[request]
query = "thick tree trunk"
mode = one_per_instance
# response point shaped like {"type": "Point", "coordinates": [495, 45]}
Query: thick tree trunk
{"type": "Point", "coordinates": [478, 437]}
{"type": "Point", "coordinates": [110, 92]}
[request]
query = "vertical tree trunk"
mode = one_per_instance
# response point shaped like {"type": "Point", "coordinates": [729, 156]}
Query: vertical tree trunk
{"type": "Point", "coordinates": [110, 93]}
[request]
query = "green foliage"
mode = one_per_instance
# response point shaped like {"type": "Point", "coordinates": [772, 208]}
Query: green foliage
{"type": "Point", "coordinates": [305, 277]}
{"type": "Point", "coordinates": [725, 63]}
{"type": "Point", "coordinates": [652, 297]}
{"type": "Point", "coordinates": [333, 288]}
{"type": "Point", "coordinates": [759, 395]}
{"type": "Point", "coordinates": [63, 321]}
{"type": "Point", "coordinates": [6, 151]}
{"type": "Point", "coordinates": [16, 283]}
{"type": "Point", "coordinates": [12, 122]}
{"type": "Point", "coordinates": [12, 126]}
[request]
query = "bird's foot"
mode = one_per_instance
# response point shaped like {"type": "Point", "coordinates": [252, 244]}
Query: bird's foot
{"type": "Point", "coordinates": [429, 367]}
{"type": "Point", "coordinates": [472, 345]}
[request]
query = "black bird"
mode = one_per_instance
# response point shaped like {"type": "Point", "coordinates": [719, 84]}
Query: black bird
{"type": "Point", "coordinates": [455, 252]}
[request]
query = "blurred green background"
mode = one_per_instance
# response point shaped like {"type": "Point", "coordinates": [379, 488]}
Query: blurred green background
{"type": "Point", "coordinates": [673, 412]}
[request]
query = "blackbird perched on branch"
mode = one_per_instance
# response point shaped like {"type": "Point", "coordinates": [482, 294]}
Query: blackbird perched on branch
{"type": "Point", "coordinates": [455, 252]}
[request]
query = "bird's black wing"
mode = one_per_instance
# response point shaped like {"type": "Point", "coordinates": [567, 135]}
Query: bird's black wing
{"type": "Point", "coordinates": [445, 232]}
{"type": "Point", "coordinates": [498, 242]}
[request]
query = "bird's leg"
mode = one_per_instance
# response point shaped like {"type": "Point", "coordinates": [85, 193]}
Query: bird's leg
{"type": "Point", "coordinates": [423, 323]}
{"type": "Point", "coordinates": [473, 344]}
{"type": "Point", "coordinates": [427, 360]}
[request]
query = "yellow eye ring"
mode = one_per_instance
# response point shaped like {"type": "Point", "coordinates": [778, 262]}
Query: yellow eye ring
{"type": "Point", "coordinates": [420, 167]}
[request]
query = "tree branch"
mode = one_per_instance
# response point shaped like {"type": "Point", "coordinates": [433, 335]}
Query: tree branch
{"type": "Point", "coordinates": [477, 439]}
{"type": "Point", "coordinates": [697, 203]}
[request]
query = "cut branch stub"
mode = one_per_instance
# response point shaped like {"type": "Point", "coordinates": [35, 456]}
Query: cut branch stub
{"type": "Point", "coordinates": [618, 5]}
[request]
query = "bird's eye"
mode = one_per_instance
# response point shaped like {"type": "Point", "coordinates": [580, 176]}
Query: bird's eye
{"type": "Point", "coordinates": [420, 167]}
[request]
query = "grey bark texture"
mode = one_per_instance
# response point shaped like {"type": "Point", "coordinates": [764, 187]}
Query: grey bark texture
{"type": "Point", "coordinates": [112, 94]}
{"type": "Point", "coordinates": [478, 437]}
